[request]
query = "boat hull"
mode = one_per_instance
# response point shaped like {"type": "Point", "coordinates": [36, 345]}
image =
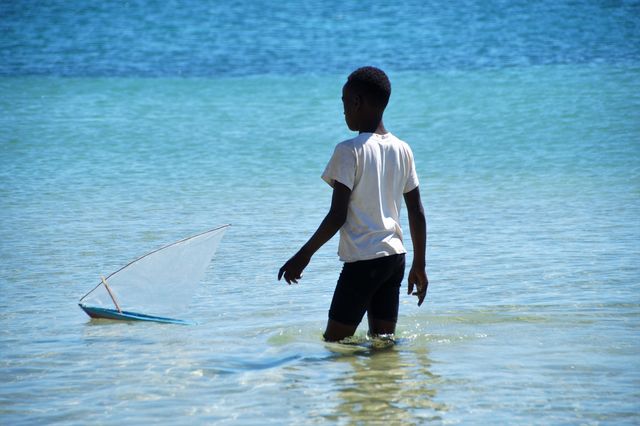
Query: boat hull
{"type": "Point", "coordinates": [112, 314]}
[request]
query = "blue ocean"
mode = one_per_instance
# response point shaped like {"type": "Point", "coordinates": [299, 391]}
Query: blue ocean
{"type": "Point", "coordinates": [125, 126]}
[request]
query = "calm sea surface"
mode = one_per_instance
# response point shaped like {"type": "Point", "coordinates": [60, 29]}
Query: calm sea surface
{"type": "Point", "coordinates": [125, 126]}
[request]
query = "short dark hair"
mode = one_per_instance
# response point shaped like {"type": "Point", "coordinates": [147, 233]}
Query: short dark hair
{"type": "Point", "coordinates": [372, 83]}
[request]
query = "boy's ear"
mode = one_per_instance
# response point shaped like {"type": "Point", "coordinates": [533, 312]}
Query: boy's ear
{"type": "Point", "coordinates": [357, 101]}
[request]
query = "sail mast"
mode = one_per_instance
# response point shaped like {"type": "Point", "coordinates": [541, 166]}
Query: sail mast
{"type": "Point", "coordinates": [111, 294]}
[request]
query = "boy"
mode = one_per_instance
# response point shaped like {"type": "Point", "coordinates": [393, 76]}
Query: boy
{"type": "Point", "coordinates": [370, 174]}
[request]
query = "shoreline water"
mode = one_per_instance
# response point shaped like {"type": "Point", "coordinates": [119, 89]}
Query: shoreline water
{"type": "Point", "coordinates": [532, 311]}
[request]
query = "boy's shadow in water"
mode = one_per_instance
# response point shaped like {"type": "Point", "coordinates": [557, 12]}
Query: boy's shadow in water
{"type": "Point", "coordinates": [391, 385]}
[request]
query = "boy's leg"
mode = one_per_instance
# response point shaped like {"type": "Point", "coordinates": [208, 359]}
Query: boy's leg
{"type": "Point", "coordinates": [337, 331]}
{"type": "Point", "coordinates": [369, 285]}
{"type": "Point", "coordinates": [349, 303]}
{"type": "Point", "coordinates": [378, 327]}
{"type": "Point", "coordinates": [382, 311]}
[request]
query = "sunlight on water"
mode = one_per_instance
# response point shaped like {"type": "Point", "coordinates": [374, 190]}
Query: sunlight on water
{"type": "Point", "coordinates": [534, 292]}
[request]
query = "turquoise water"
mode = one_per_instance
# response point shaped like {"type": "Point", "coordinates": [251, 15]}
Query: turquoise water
{"type": "Point", "coordinates": [526, 139]}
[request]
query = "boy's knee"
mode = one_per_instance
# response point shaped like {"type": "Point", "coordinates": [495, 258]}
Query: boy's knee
{"type": "Point", "coordinates": [378, 327]}
{"type": "Point", "coordinates": [337, 331]}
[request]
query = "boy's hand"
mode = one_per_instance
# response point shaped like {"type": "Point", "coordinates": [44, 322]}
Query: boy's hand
{"type": "Point", "coordinates": [418, 278]}
{"type": "Point", "coordinates": [292, 269]}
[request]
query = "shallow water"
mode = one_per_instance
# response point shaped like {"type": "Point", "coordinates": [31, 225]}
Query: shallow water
{"type": "Point", "coordinates": [530, 176]}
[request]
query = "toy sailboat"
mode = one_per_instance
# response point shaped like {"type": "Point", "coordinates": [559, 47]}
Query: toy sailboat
{"type": "Point", "coordinates": [161, 282]}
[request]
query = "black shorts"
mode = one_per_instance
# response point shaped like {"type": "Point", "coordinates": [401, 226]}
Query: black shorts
{"type": "Point", "coordinates": [371, 286]}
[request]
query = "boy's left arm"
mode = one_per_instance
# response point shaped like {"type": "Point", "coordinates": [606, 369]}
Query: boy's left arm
{"type": "Point", "coordinates": [333, 221]}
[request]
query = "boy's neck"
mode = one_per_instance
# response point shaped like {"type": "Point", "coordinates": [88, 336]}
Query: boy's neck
{"type": "Point", "coordinates": [377, 127]}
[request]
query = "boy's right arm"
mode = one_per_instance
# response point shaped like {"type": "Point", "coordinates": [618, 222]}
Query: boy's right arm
{"type": "Point", "coordinates": [418, 228]}
{"type": "Point", "coordinates": [292, 269]}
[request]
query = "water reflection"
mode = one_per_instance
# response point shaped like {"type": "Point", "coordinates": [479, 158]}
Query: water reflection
{"type": "Point", "coordinates": [387, 385]}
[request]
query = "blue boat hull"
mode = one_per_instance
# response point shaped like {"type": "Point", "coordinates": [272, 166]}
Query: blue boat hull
{"type": "Point", "coordinates": [112, 314]}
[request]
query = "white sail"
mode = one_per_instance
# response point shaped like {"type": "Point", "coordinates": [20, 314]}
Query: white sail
{"type": "Point", "coordinates": [161, 282]}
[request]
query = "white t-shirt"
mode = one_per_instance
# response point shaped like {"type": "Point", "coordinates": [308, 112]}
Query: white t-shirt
{"type": "Point", "coordinates": [378, 169]}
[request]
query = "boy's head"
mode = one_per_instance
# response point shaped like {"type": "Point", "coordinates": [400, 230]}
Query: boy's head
{"type": "Point", "coordinates": [372, 84]}
{"type": "Point", "coordinates": [365, 95]}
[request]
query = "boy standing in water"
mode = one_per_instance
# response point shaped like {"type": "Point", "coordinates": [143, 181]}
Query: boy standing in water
{"type": "Point", "coordinates": [370, 174]}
